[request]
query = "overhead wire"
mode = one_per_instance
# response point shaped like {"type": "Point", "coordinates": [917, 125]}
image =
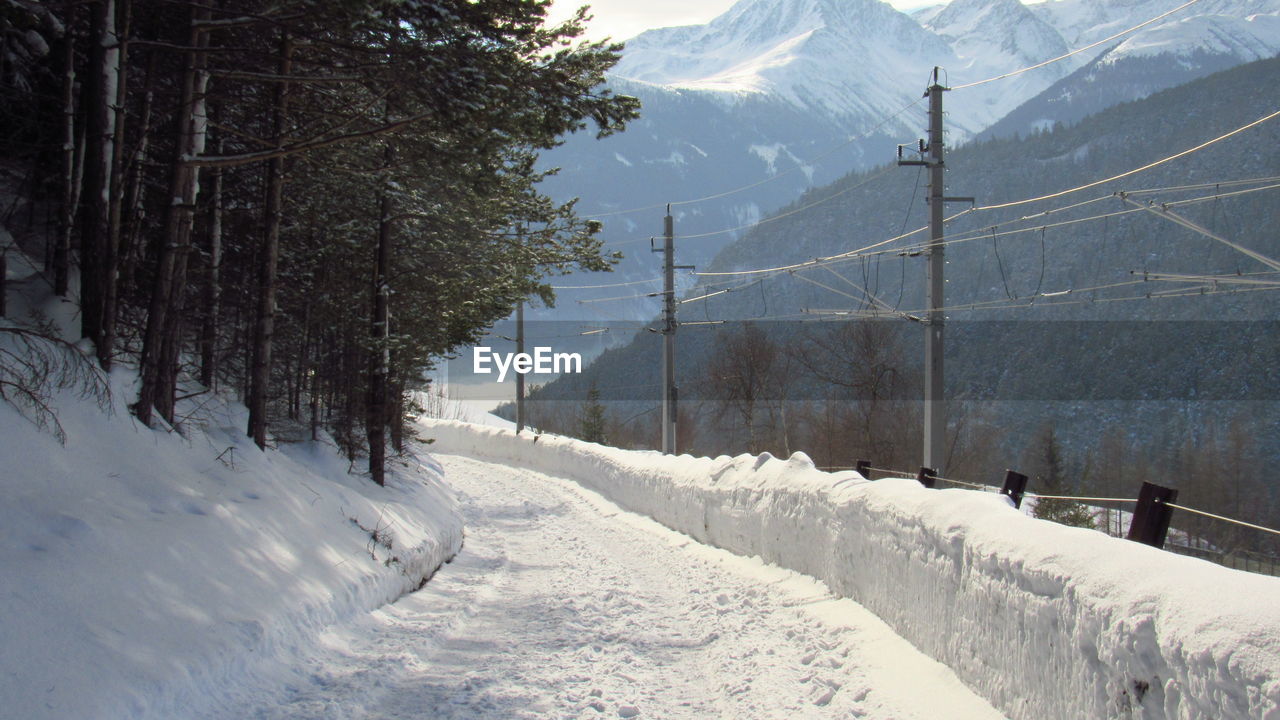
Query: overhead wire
{"type": "Point", "coordinates": [1134, 171]}
{"type": "Point", "coordinates": [992, 231]}
{"type": "Point", "coordinates": [719, 292]}
{"type": "Point", "coordinates": [1174, 293]}
{"type": "Point", "coordinates": [786, 214]}
{"type": "Point", "coordinates": [1232, 279]}
{"type": "Point", "coordinates": [800, 164]}
{"type": "Point", "coordinates": [983, 208]}
{"type": "Point", "coordinates": [1077, 51]}
{"type": "Point", "coordinates": [618, 297]}
{"type": "Point", "coordinates": [608, 285]}
{"type": "Point", "coordinates": [1028, 303]}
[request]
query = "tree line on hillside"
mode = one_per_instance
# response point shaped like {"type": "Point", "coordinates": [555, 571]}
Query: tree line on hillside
{"type": "Point", "coordinates": [845, 391]}
{"type": "Point", "coordinates": [302, 201]}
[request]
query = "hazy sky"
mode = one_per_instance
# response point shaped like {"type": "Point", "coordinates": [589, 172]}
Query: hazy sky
{"type": "Point", "coordinates": [622, 19]}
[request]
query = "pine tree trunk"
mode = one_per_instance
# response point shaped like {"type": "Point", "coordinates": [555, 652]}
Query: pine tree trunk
{"type": "Point", "coordinates": [346, 422]}
{"type": "Point", "coordinates": [179, 219]}
{"type": "Point", "coordinates": [303, 366]}
{"type": "Point", "coordinates": [70, 190]}
{"type": "Point", "coordinates": [264, 325]}
{"type": "Point", "coordinates": [315, 405]}
{"type": "Point", "coordinates": [396, 404]}
{"type": "Point", "coordinates": [172, 344]}
{"type": "Point", "coordinates": [379, 360]}
{"type": "Point", "coordinates": [131, 250]}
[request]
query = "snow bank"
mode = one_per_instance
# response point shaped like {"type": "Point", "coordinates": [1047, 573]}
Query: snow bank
{"type": "Point", "coordinates": [142, 573]}
{"type": "Point", "coordinates": [1042, 619]}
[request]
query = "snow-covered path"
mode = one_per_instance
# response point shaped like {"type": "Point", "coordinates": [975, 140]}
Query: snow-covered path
{"type": "Point", "coordinates": [562, 605]}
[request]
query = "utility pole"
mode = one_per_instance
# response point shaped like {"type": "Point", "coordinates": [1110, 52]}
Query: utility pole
{"type": "Point", "coordinates": [935, 406]}
{"type": "Point", "coordinates": [670, 393]}
{"type": "Point", "coordinates": [519, 376]}
{"type": "Point", "coordinates": [668, 336]}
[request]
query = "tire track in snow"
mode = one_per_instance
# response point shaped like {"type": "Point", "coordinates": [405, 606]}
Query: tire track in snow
{"type": "Point", "coordinates": [562, 605]}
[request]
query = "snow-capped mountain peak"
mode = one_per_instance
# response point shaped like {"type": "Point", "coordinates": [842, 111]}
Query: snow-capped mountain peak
{"type": "Point", "coordinates": [994, 32]}
{"type": "Point", "coordinates": [841, 56]}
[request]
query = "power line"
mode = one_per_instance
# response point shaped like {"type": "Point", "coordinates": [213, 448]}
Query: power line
{"type": "Point", "coordinates": [815, 261]}
{"type": "Point", "coordinates": [610, 285]}
{"type": "Point", "coordinates": [1077, 51]}
{"type": "Point", "coordinates": [1195, 292]}
{"type": "Point", "coordinates": [716, 196]}
{"type": "Point", "coordinates": [1233, 279]}
{"type": "Point", "coordinates": [1029, 301]}
{"type": "Point", "coordinates": [618, 297]}
{"type": "Point", "coordinates": [992, 231]}
{"type": "Point", "coordinates": [718, 292]}
{"type": "Point", "coordinates": [1206, 186]}
{"type": "Point", "coordinates": [779, 216]}
{"type": "Point", "coordinates": [1135, 171]}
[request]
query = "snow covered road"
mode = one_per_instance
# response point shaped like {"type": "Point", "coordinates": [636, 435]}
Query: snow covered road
{"type": "Point", "coordinates": [562, 605]}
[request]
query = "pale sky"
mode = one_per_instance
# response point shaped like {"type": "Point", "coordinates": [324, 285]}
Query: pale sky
{"type": "Point", "coordinates": [622, 19]}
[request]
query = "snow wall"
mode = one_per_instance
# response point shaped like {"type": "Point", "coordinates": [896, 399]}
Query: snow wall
{"type": "Point", "coordinates": [1044, 620]}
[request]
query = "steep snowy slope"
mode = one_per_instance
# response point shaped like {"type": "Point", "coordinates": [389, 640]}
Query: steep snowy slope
{"type": "Point", "coordinates": [1170, 53]}
{"type": "Point", "coordinates": [1081, 22]}
{"type": "Point", "coordinates": [991, 37]}
{"type": "Point", "coordinates": [843, 58]}
{"type": "Point", "coordinates": [1244, 39]}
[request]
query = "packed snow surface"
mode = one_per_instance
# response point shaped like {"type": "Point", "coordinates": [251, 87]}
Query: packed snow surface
{"type": "Point", "coordinates": [562, 605]}
{"type": "Point", "coordinates": [1041, 619]}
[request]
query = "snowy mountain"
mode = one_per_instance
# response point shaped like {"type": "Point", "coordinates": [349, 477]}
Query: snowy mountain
{"type": "Point", "coordinates": [1082, 22]}
{"type": "Point", "coordinates": [852, 60]}
{"type": "Point", "coordinates": [800, 51]}
{"type": "Point", "coordinates": [991, 37]}
{"type": "Point", "coordinates": [778, 96]}
{"type": "Point", "coordinates": [1255, 37]}
{"type": "Point", "coordinates": [1164, 56]}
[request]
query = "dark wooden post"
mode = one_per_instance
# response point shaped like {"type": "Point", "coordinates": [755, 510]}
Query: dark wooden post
{"type": "Point", "coordinates": [1151, 518]}
{"type": "Point", "coordinates": [1015, 484]}
{"type": "Point", "coordinates": [928, 477]}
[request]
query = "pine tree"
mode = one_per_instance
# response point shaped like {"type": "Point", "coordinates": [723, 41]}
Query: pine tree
{"type": "Point", "coordinates": [1051, 480]}
{"type": "Point", "coordinates": [591, 421]}
{"type": "Point", "coordinates": [321, 213]}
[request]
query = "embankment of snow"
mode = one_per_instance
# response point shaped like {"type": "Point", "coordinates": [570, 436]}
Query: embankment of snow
{"type": "Point", "coordinates": [1042, 619]}
{"type": "Point", "coordinates": [143, 573]}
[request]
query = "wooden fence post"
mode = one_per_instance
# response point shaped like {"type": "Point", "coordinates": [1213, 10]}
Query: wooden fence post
{"type": "Point", "coordinates": [1015, 484]}
{"type": "Point", "coordinates": [1151, 518]}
